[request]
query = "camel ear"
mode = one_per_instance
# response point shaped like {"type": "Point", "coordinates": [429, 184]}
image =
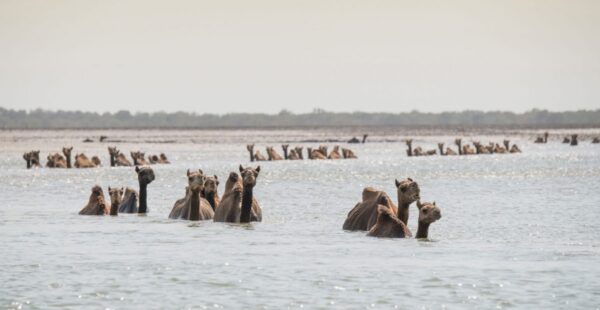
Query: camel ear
{"type": "Point", "coordinates": [137, 169]}
{"type": "Point", "coordinates": [257, 169]}
{"type": "Point", "coordinates": [410, 179]}
{"type": "Point", "coordinates": [397, 183]}
{"type": "Point", "coordinates": [216, 177]}
{"type": "Point", "coordinates": [201, 172]}
{"type": "Point", "coordinates": [434, 204]}
{"type": "Point", "coordinates": [241, 169]}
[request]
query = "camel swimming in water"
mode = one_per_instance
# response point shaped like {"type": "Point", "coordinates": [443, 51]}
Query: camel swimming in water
{"type": "Point", "coordinates": [543, 139]}
{"type": "Point", "coordinates": [315, 154]}
{"type": "Point", "coordinates": [81, 161]}
{"type": "Point", "coordinates": [388, 225]}
{"type": "Point", "coordinates": [117, 158]}
{"type": "Point", "coordinates": [210, 191]}
{"type": "Point", "coordinates": [96, 204]}
{"type": "Point", "coordinates": [193, 207]}
{"type": "Point", "coordinates": [348, 154]}
{"type": "Point", "coordinates": [335, 154]}
{"type": "Point", "coordinates": [116, 196]}
{"type": "Point", "coordinates": [258, 156]}
{"type": "Point", "coordinates": [574, 140]}
{"type": "Point", "coordinates": [293, 155]}
{"type": "Point", "coordinates": [56, 161]}
{"type": "Point", "coordinates": [364, 214]}
{"type": "Point", "coordinates": [285, 147]}
{"type": "Point", "coordinates": [163, 159]}
{"type": "Point", "coordinates": [145, 177]}
{"type": "Point", "coordinates": [67, 152]}
{"type": "Point", "coordinates": [238, 204]}
{"type": "Point", "coordinates": [138, 158]}
{"type": "Point", "coordinates": [273, 154]}
{"type": "Point", "coordinates": [299, 150]}
{"type": "Point", "coordinates": [129, 203]}
{"type": "Point", "coordinates": [32, 159]}
{"type": "Point", "coordinates": [250, 148]}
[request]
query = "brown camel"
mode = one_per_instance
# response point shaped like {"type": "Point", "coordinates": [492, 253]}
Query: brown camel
{"type": "Point", "coordinates": [163, 159]}
{"type": "Point", "coordinates": [315, 154]}
{"type": "Point", "coordinates": [129, 203]}
{"type": "Point", "coordinates": [56, 161]}
{"type": "Point", "coordinates": [145, 177]}
{"type": "Point", "coordinates": [117, 158]}
{"type": "Point", "coordinates": [480, 149]}
{"type": "Point", "coordinates": [138, 158]}
{"type": "Point", "coordinates": [348, 154]}
{"type": "Point", "coordinates": [566, 140]}
{"type": "Point", "coordinates": [299, 150]}
{"type": "Point", "coordinates": [81, 161]}
{"type": "Point", "coordinates": [409, 151]}
{"type": "Point", "coordinates": [335, 154]}
{"type": "Point", "coordinates": [193, 207]}
{"type": "Point", "coordinates": [96, 161]}
{"type": "Point", "coordinates": [323, 149]}
{"type": "Point", "coordinates": [293, 155]}
{"type": "Point", "coordinates": [389, 226]}
{"type": "Point", "coordinates": [458, 143]}
{"type": "Point", "coordinates": [153, 159]}
{"type": "Point", "coordinates": [32, 159]}
{"type": "Point", "coordinates": [515, 149]}
{"type": "Point", "coordinates": [596, 140]}
{"type": "Point", "coordinates": [232, 180]}
{"type": "Point", "coordinates": [543, 139]}
{"type": "Point", "coordinates": [499, 149]}
{"type": "Point", "coordinates": [67, 152]}
{"type": "Point", "coordinates": [364, 214]}
{"type": "Point", "coordinates": [238, 205]}
{"type": "Point", "coordinates": [273, 154]}
{"type": "Point", "coordinates": [96, 204]}
{"type": "Point", "coordinates": [258, 156]}
{"type": "Point", "coordinates": [447, 152]}
{"type": "Point", "coordinates": [27, 157]}
{"type": "Point", "coordinates": [574, 140]}
{"type": "Point", "coordinates": [468, 150]}
{"type": "Point", "coordinates": [285, 151]}
{"type": "Point", "coordinates": [116, 196]}
{"type": "Point", "coordinates": [210, 191]}
{"type": "Point", "coordinates": [250, 148]}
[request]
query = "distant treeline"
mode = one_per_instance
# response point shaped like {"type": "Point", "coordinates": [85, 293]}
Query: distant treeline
{"type": "Point", "coordinates": [42, 119]}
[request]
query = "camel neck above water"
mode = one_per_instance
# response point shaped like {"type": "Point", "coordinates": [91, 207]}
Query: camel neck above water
{"type": "Point", "coordinates": [143, 204]}
{"type": "Point", "coordinates": [246, 204]}
{"type": "Point", "coordinates": [403, 209]}
{"type": "Point", "coordinates": [195, 206]}
{"type": "Point", "coordinates": [114, 207]}
{"type": "Point", "coordinates": [423, 230]}
{"type": "Point", "coordinates": [68, 161]}
{"type": "Point", "coordinates": [210, 197]}
{"type": "Point", "coordinates": [112, 160]}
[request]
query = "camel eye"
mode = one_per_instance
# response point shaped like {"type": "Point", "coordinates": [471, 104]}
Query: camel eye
{"type": "Point", "coordinates": [425, 211]}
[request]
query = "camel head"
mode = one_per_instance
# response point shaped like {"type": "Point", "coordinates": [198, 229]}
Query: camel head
{"type": "Point", "coordinates": [211, 184]}
{"type": "Point", "coordinates": [154, 158]}
{"type": "Point", "coordinates": [115, 195]}
{"type": "Point", "coordinates": [196, 180]}
{"type": "Point", "coordinates": [428, 212]}
{"type": "Point", "coordinates": [67, 151]}
{"type": "Point", "coordinates": [96, 161]}
{"type": "Point", "coordinates": [249, 175]}
{"type": "Point", "coordinates": [458, 141]}
{"type": "Point", "coordinates": [408, 142]}
{"type": "Point", "coordinates": [250, 147]}
{"type": "Point", "coordinates": [97, 191]}
{"type": "Point", "coordinates": [163, 156]}
{"type": "Point", "coordinates": [145, 174]}
{"type": "Point", "coordinates": [113, 151]}
{"type": "Point", "coordinates": [408, 191]}
{"type": "Point", "coordinates": [285, 147]}
{"type": "Point", "coordinates": [336, 148]}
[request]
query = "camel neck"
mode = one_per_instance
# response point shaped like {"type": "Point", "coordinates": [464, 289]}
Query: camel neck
{"type": "Point", "coordinates": [285, 154]}
{"type": "Point", "coordinates": [410, 152]}
{"type": "Point", "coordinates": [210, 197]}
{"type": "Point", "coordinates": [68, 160]}
{"type": "Point", "coordinates": [423, 230]}
{"type": "Point", "coordinates": [403, 209]}
{"type": "Point", "coordinates": [28, 163]}
{"type": "Point", "coordinates": [246, 204]}
{"type": "Point", "coordinates": [441, 147]}
{"type": "Point", "coordinates": [114, 207]}
{"type": "Point", "coordinates": [112, 160]}
{"type": "Point", "coordinates": [251, 154]}
{"type": "Point", "coordinates": [195, 207]}
{"type": "Point", "coordinates": [143, 204]}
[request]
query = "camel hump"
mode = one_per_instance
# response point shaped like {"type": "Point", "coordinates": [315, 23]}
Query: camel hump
{"type": "Point", "coordinates": [370, 193]}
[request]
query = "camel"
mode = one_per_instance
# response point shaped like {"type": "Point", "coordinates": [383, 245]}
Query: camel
{"type": "Point", "coordinates": [364, 214]}
{"type": "Point", "coordinates": [138, 158]}
{"type": "Point", "coordinates": [499, 149]}
{"type": "Point", "coordinates": [335, 154]}
{"type": "Point", "coordinates": [515, 149]}
{"type": "Point", "coordinates": [81, 161]}
{"type": "Point", "coordinates": [238, 204]}
{"type": "Point", "coordinates": [112, 153]}
{"type": "Point", "coordinates": [67, 152]}
{"type": "Point", "coordinates": [145, 177]}
{"type": "Point", "coordinates": [323, 149]}
{"type": "Point", "coordinates": [315, 154]}
{"type": "Point", "coordinates": [418, 151]}
{"type": "Point", "coordinates": [543, 139]}
{"type": "Point", "coordinates": [193, 207]}
{"type": "Point", "coordinates": [566, 140]}
{"type": "Point", "coordinates": [285, 151]}
{"type": "Point", "coordinates": [348, 154]}
{"type": "Point", "coordinates": [468, 150]}
{"type": "Point", "coordinates": [480, 149]}
{"type": "Point", "coordinates": [116, 195]}
{"type": "Point", "coordinates": [506, 144]}
{"type": "Point", "coordinates": [210, 191]}
{"type": "Point", "coordinates": [595, 140]}
{"type": "Point", "coordinates": [117, 158]}
{"type": "Point", "coordinates": [409, 151]}
{"type": "Point", "coordinates": [458, 143]}
{"type": "Point", "coordinates": [232, 180]}
{"type": "Point", "coordinates": [574, 140]}
{"type": "Point", "coordinates": [96, 204]}
{"type": "Point", "coordinates": [96, 161]}
{"type": "Point", "coordinates": [250, 148]}
{"type": "Point", "coordinates": [448, 151]}
{"type": "Point", "coordinates": [299, 150]}
{"type": "Point", "coordinates": [258, 156]}
{"type": "Point", "coordinates": [129, 203]}
{"type": "Point", "coordinates": [293, 155]}
{"type": "Point", "coordinates": [56, 161]}
{"type": "Point", "coordinates": [389, 226]}
{"type": "Point", "coordinates": [153, 159]}
{"type": "Point", "coordinates": [273, 154]}
{"type": "Point", "coordinates": [32, 159]}
{"type": "Point", "coordinates": [163, 159]}
{"type": "Point", "coordinates": [27, 157]}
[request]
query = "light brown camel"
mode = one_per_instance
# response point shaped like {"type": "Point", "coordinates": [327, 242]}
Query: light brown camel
{"type": "Point", "coordinates": [138, 158]}
{"type": "Point", "coordinates": [163, 159]}
{"type": "Point", "coordinates": [299, 150]}
{"type": "Point", "coordinates": [129, 203]}
{"type": "Point", "coordinates": [121, 160]}
{"type": "Point", "coordinates": [323, 149]}
{"type": "Point", "coordinates": [250, 148]}
{"type": "Point", "coordinates": [348, 154]}
{"type": "Point", "coordinates": [468, 150]}
{"type": "Point", "coordinates": [364, 214]}
{"type": "Point", "coordinates": [145, 177]}
{"type": "Point", "coordinates": [67, 152]}
{"type": "Point", "coordinates": [315, 154]}
{"type": "Point", "coordinates": [116, 196]}
{"type": "Point", "coordinates": [193, 207]}
{"type": "Point", "coordinates": [81, 161]}
{"type": "Point", "coordinates": [232, 180]}
{"type": "Point", "coordinates": [96, 204]}
{"type": "Point", "coordinates": [56, 161]}
{"type": "Point", "coordinates": [499, 149]}
{"type": "Point", "coordinates": [480, 149]}
{"type": "Point", "coordinates": [273, 154]}
{"type": "Point", "coordinates": [210, 191]}
{"type": "Point", "coordinates": [96, 161]}
{"type": "Point", "coordinates": [447, 152]}
{"type": "Point", "coordinates": [335, 154]}
{"type": "Point", "coordinates": [389, 226]}
{"type": "Point", "coordinates": [258, 156]}
{"type": "Point", "coordinates": [293, 155]}
{"type": "Point", "coordinates": [238, 205]}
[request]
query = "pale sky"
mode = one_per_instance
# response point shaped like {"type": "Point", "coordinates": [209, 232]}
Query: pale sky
{"type": "Point", "coordinates": [263, 56]}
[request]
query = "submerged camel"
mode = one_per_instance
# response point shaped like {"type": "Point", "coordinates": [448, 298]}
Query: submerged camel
{"type": "Point", "coordinates": [96, 204]}
{"type": "Point", "coordinates": [32, 159]}
{"type": "Point", "coordinates": [273, 154]}
{"type": "Point", "coordinates": [117, 158]}
{"type": "Point", "coordinates": [193, 207]}
{"type": "Point", "coordinates": [81, 161]}
{"type": "Point", "coordinates": [364, 214]}
{"type": "Point", "coordinates": [211, 191]}
{"type": "Point", "coordinates": [388, 225]}
{"type": "Point", "coordinates": [116, 197]}
{"type": "Point", "coordinates": [145, 177]}
{"type": "Point", "coordinates": [67, 152]}
{"type": "Point", "coordinates": [129, 203]}
{"type": "Point", "coordinates": [238, 204]}
{"type": "Point", "coordinates": [335, 154]}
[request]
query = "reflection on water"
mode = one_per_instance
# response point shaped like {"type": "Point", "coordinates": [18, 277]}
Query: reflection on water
{"type": "Point", "coordinates": [519, 231]}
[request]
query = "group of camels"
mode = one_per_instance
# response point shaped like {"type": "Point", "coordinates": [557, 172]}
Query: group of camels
{"type": "Point", "coordinates": [466, 149]}
{"type": "Point", "coordinates": [376, 213]}
{"type": "Point", "coordinates": [573, 140]}
{"type": "Point", "coordinates": [296, 153]}
{"type": "Point", "coordinates": [201, 201]}
{"type": "Point", "coordinates": [56, 160]}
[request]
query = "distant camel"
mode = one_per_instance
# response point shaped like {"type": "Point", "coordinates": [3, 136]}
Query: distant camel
{"type": "Point", "coordinates": [543, 139]}
{"type": "Point", "coordinates": [238, 204]}
{"type": "Point", "coordinates": [273, 154]}
{"type": "Point", "coordinates": [335, 154]}
{"type": "Point", "coordinates": [96, 204]}
{"type": "Point", "coordinates": [574, 140]}
{"type": "Point", "coordinates": [67, 153]}
{"type": "Point", "coordinates": [348, 154]}
{"type": "Point", "coordinates": [299, 150]}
